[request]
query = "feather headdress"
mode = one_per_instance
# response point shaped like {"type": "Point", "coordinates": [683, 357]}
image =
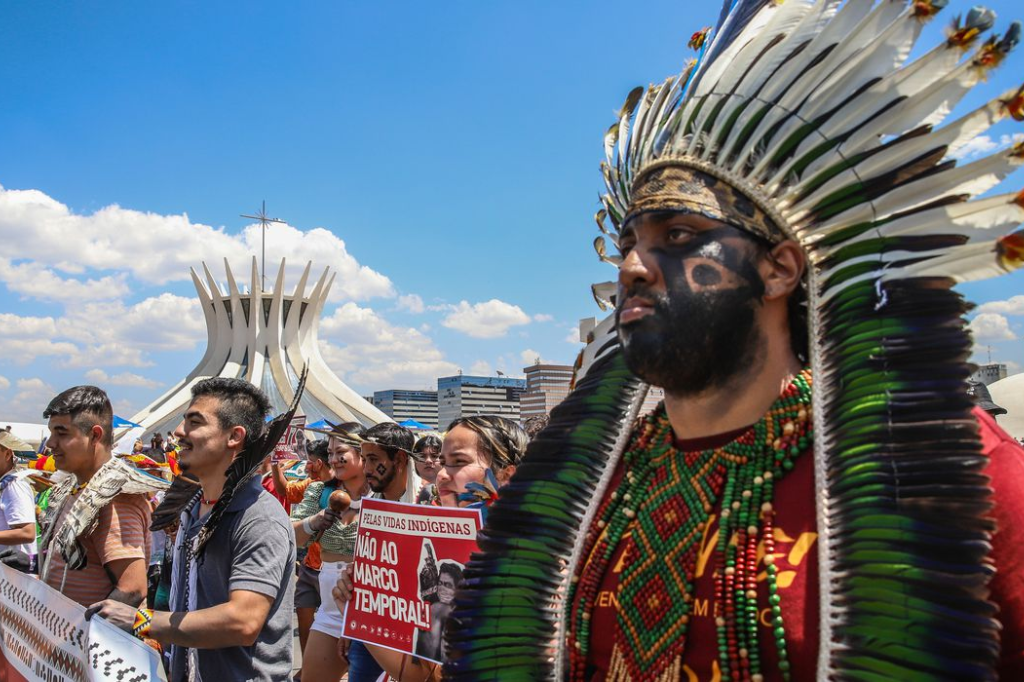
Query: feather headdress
{"type": "Point", "coordinates": [810, 110]}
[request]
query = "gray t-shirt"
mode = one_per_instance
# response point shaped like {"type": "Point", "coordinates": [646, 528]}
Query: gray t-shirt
{"type": "Point", "coordinates": [253, 548]}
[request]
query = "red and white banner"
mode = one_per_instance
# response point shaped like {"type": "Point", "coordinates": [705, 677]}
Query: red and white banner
{"type": "Point", "coordinates": [44, 637]}
{"type": "Point", "coordinates": [292, 445]}
{"type": "Point", "coordinates": [409, 560]}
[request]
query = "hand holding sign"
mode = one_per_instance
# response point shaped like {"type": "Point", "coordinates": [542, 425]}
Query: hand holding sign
{"type": "Point", "coordinates": [384, 599]}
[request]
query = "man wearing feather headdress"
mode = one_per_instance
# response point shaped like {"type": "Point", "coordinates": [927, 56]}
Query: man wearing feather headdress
{"type": "Point", "coordinates": [232, 588]}
{"type": "Point", "coordinates": [95, 537]}
{"type": "Point", "coordinates": [786, 203]}
{"type": "Point", "coordinates": [717, 485]}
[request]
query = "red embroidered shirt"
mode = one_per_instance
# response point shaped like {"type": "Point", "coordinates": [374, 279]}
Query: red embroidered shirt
{"type": "Point", "coordinates": [796, 557]}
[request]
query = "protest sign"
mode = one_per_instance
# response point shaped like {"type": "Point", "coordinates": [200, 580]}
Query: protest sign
{"type": "Point", "coordinates": [408, 561]}
{"type": "Point", "coordinates": [44, 637]}
{"type": "Point", "coordinates": [292, 445]}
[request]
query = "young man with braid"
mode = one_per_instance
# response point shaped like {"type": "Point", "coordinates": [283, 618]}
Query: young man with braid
{"type": "Point", "coordinates": [231, 606]}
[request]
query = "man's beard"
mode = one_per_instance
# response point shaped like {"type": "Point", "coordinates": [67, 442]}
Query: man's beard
{"type": "Point", "coordinates": [693, 341]}
{"type": "Point", "coordinates": [383, 482]}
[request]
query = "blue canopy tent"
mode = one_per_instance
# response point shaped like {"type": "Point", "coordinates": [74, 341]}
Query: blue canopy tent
{"type": "Point", "coordinates": [414, 425]}
{"type": "Point", "coordinates": [122, 423]}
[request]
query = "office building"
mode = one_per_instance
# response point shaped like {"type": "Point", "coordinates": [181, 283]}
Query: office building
{"type": "Point", "coordinates": [546, 386]}
{"type": "Point", "coordinates": [990, 373]}
{"type": "Point", "coordinates": [401, 405]}
{"type": "Point", "coordinates": [466, 396]}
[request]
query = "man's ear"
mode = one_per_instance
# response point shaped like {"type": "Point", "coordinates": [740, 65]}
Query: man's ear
{"type": "Point", "coordinates": [782, 270]}
{"type": "Point", "coordinates": [236, 437]}
{"type": "Point", "coordinates": [96, 432]}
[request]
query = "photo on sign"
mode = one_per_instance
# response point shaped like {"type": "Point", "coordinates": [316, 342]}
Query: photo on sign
{"type": "Point", "coordinates": [292, 445]}
{"type": "Point", "coordinates": [438, 581]}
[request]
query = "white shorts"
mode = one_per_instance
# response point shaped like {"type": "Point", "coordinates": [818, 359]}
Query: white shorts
{"type": "Point", "coordinates": [328, 618]}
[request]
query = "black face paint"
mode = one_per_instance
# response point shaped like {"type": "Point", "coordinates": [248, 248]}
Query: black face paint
{"type": "Point", "coordinates": [705, 275]}
{"type": "Point", "coordinates": [383, 478]}
{"type": "Point", "coordinates": [702, 331]}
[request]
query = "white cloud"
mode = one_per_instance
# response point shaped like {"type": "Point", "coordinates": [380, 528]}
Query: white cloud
{"type": "Point", "coordinates": [33, 280]}
{"type": "Point", "coordinates": [989, 327]}
{"type": "Point", "coordinates": [411, 303]}
{"type": "Point", "coordinates": [105, 334]}
{"type": "Point", "coordinates": [29, 399]}
{"type": "Point", "coordinates": [489, 320]}
{"type": "Point", "coordinates": [377, 355]}
{"type": "Point", "coordinates": [1012, 306]}
{"type": "Point", "coordinates": [975, 147]}
{"type": "Point", "coordinates": [16, 326]}
{"type": "Point", "coordinates": [22, 351]}
{"type": "Point", "coordinates": [543, 317]}
{"type": "Point", "coordinates": [5, 383]}
{"type": "Point", "coordinates": [115, 354]}
{"type": "Point", "coordinates": [573, 337]}
{"type": "Point", "coordinates": [98, 376]}
{"type": "Point", "coordinates": [983, 145]}
{"type": "Point", "coordinates": [156, 249]}
{"type": "Point", "coordinates": [481, 368]}
{"type": "Point", "coordinates": [125, 407]}
{"type": "Point", "coordinates": [530, 357]}
{"type": "Point", "coordinates": [164, 322]}
{"type": "Point", "coordinates": [1007, 140]}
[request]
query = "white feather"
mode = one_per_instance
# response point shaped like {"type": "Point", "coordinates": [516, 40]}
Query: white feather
{"type": "Point", "coordinates": [713, 71]}
{"type": "Point", "coordinates": [810, 25]}
{"type": "Point", "coordinates": [641, 112]}
{"type": "Point", "coordinates": [876, 20]}
{"type": "Point", "coordinates": [968, 263]}
{"type": "Point", "coordinates": [886, 53]}
{"type": "Point", "coordinates": [659, 111]}
{"type": "Point", "coordinates": [903, 83]}
{"type": "Point", "coordinates": [974, 220]}
{"type": "Point", "coordinates": [965, 128]}
{"type": "Point", "coordinates": [928, 107]}
{"type": "Point", "coordinates": [840, 24]}
{"type": "Point", "coordinates": [782, 22]}
{"type": "Point", "coordinates": [972, 179]}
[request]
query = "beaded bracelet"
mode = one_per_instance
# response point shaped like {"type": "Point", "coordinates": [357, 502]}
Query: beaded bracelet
{"type": "Point", "coordinates": [143, 622]}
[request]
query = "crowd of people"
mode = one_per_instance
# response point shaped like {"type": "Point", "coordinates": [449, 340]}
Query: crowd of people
{"type": "Point", "coordinates": [216, 588]}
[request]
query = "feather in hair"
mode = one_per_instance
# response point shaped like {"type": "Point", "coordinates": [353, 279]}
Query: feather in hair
{"type": "Point", "coordinates": [247, 463]}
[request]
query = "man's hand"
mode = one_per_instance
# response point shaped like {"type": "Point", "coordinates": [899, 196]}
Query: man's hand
{"type": "Point", "coordinates": [117, 614]}
{"type": "Point", "coordinates": [324, 519]}
{"type": "Point", "coordinates": [342, 590]}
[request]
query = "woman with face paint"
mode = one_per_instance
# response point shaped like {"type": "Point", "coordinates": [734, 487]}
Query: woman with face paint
{"type": "Point", "coordinates": [478, 455]}
{"type": "Point", "coordinates": [337, 536]}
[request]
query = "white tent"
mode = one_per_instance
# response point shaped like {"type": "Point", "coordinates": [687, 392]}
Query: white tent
{"type": "Point", "coordinates": [1008, 394]}
{"type": "Point", "coordinates": [33, 434]}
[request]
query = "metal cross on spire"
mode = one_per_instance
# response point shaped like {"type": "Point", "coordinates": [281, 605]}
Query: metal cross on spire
{"type": "Point", "coordinates": [264, 221]}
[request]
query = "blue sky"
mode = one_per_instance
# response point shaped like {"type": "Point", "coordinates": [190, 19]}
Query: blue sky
{"type": "Point", "coordinates": [442, 156]}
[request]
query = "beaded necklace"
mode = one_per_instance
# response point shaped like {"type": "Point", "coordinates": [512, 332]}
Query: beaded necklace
{"type": "Point", "coordinates": [665, 500]}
